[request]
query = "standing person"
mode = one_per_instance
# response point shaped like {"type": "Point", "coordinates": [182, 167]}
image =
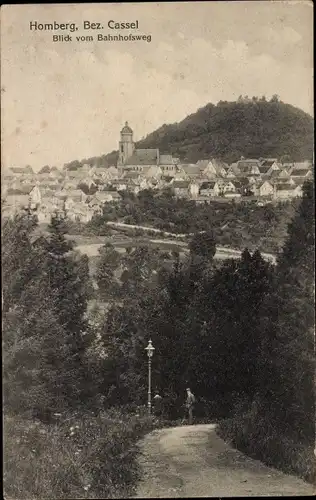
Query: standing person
{"type": "Point", "coordinates": [189, 405]}
{"type": "Point", "coordinates": [157, 404]}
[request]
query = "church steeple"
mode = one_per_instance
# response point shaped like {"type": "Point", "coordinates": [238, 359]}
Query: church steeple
{"type": "Point", "coordinates": [126, 144]}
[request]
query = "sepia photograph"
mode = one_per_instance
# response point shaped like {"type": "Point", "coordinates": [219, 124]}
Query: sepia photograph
{"type": "Point", "coordinates": [158, 250]}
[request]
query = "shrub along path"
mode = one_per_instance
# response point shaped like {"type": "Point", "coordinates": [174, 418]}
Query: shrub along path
{"type": "Point", "coordinates": [192, 461]}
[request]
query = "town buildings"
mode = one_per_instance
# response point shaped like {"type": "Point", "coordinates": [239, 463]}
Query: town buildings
{"type": "Point", "coordinates": [82, 192]}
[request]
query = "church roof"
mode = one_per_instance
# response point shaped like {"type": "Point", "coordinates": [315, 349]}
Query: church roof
{"type": "Point", "coordinates": [166, 160]}
{"type": "Point", "coordinates": [143, 157]}
{"type": "Point", "coordinates": [126, 129]}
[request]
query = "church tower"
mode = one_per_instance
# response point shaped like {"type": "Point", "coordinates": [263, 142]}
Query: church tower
{"type": "Point", "coordinates": [126, 144]}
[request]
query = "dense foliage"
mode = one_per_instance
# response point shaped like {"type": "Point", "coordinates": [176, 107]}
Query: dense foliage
{"type": "Point", "coordinates": [280, 426]}
{"type": "Point", "coordinates": [45, 335]}
{"type": "Point", "coordinates": [236, 225]}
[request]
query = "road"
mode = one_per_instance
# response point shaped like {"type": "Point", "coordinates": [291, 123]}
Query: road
{"type": "Point", "coordinates": [192, 461]}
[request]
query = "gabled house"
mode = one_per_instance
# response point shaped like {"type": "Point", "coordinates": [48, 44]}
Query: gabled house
{"type": "Point", "coordinates": [264, 189]}
{"type": "Point", "coordinates": [215, 167]}
{"type": "Point", "coordinates": [271, 163]}
{"type": "Point", "coordinates": [74, 197]}
{"type": "Point", "coordinates": [225, 186]}
{"type": "Point", "coordinates": [210, 188]}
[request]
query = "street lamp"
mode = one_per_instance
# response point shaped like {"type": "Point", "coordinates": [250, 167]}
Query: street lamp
{"type": "Point", "coordinates": [150, 351]}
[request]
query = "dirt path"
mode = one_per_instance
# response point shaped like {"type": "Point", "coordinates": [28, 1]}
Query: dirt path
{"type": "Point", "coordinates": [192, 461]}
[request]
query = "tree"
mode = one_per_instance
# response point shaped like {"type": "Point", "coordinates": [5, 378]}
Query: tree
{"type": "Point", "coordinates": [203, 245]}
{"type": "Point", "coordinates": [290, 390]}
{"type": "Point", "coordinates": [109, 262]}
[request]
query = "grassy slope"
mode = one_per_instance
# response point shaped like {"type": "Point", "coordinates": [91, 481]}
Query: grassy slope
{"type": "Point", "coordinates": [78, 457]}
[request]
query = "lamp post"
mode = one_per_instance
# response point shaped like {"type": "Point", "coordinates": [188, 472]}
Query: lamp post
{"type": "Point", "coordinates": [150, 351]}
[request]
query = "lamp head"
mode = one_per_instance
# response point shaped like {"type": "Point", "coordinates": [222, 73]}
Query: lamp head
{"type": "Point", "coordinates": [150, 349]}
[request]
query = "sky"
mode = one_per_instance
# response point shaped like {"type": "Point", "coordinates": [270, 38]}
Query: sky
{"type": "Point", "coordinates": [62, 101]}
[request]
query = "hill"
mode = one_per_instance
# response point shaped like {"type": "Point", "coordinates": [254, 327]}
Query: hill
{"type": "Point", "coordinates": [250, 128]}
{"type": "Point", "coordinates": [233, 129]}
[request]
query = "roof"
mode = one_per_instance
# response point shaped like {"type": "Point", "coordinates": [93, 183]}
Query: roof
{"type": "Point", "coordinates": [285, 187]}
{"type": "Point", "coordinates": [126, 129]}
{"type": "Point", "coordinates": [304, 164]}
{"type": "Point", "coordinates": [202, 164]}
{"type": "Point", "coordinates": [131, 175]}
{"type": "Point", "coordinates": [166, 160]}
{"type": "Point", "coordinates": [190, 169]}
{"type": "Point", "coordinates": [264, 169]}
{"type": "Point", "coordinates": [103, 195]}
{"type": "Point", "coordinates": [17, 199]}
{"type": "Point", "coordinates": [299, 172]}
{"type": "Point", "coordinates": [274, 174]}
{"type": "Point", "coordinates": [73, 193]}
{"type": "Point", "coordinates": [22, 189]}
{"type": "Point", "coordinates": [268, 162]}
{"type": "Point", "coordinates": [247, 164]}
{"type": "Point", "coordinates": [237, 184]}
{"type": "Point", "coordinates": [181, 184]}
{"type": "Point", "coordinates": [143, 157]}
{"type": "Point", "coordinates": [208, 185]}
{"type": "Point", "coordinates": [22, 170]}
{"type": "Point", "coordinates": [299, 180]}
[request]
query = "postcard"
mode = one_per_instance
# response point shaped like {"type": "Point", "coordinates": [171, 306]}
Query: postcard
{"type": "Point", "coordinates": [157, 189]}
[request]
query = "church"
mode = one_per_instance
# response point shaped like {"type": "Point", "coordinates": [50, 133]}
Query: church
{"type": "Point", "coordinates": [143, 161]}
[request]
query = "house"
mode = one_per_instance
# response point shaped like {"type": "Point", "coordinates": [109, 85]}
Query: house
{"type": "Point", "coordinates": [18, 171]}
{"type": "Point", "coordinates": [287, 191]}
{"type": "Point", "coordinates": [167, 165]}
{"type": "Point", "coordinates": [131, 176]}
{"type": "Point", "coordinates": [153, 172]}
{"type": "Point", "coordinates": [106, 197]}
{"type": "Point", "coordinates": [30, 193]}
{"type": "Point", "coordinates": [113, 172]}
{"type": "Point", "coordinates": [302, 165]}
{"type": "Point", "coordinates": [209, 189]}
{"type": "Point", "coordinates": [100, 173]}
{"type": "Point", "coordinates": [181, 188]}
{"type": "Point", "coordinates": [215, 167]}
{"type": "Point", "coordinates": [189, 170]}
{"type": "Point", "coordinates": [248, 167]}
{"type": "Point", "coordinates": [118, 184]}
{"type": "Point", "coordinates": [265, 189]}
{"type": "Point", "coordinates": [225, 186]}
{"type": "Point", "coordinates": [232, 171]}
{"type": "Point", "coordinates": [271, 163]}
{"type": "Point", "coordinates": [304, 173]}
{"type": "Point", "coordinates": [74, 197]}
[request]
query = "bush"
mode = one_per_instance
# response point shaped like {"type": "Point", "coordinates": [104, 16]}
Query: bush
{"type": "Point", "coordinates": [88, 457]}
{"type": "Point", "coordinates": [261, 440]}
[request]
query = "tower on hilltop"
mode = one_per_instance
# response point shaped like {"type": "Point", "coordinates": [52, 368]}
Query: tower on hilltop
{"type": "Point", "coordinates": [126, 144]}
